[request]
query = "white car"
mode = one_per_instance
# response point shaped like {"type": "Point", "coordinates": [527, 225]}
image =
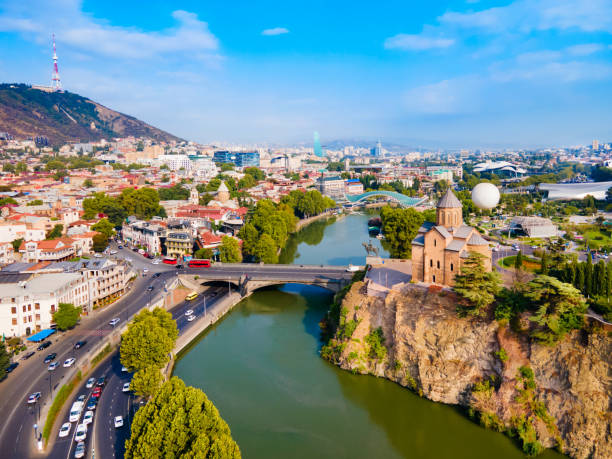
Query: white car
{"type": "Point", "coordinates": [156, 261]}
{"type": "Point", "coordinates": [69, 362]}
{"type": "Point", "coordinates": [189, 312]}
{"type": "Point", "coordinates": [126, 387]}
{"type": "Point", "coordinates": [65, 429]}
{"type": "Point", "coordinates": [114, 322]}
{"type": "Point", "coordinates": [146, 270]}
{"type": "Point", "coordinates": [124, 369]}
{"type": "Point", "coordinates": [90, 383]}
{"type": "Point", "coordinates": [98, 255]}
{"type": "Point", "coordinates": [88, 417]}
{"type": "Point", "coordinates": [118, 421]}
{"type": "Point", "coordinates": [81, 433]}
{"type": "Point", "coordinates": [33, 398]}
{"type": "Point", "coordinates": [352, 269]}
{"type": "Point", "coordinates": [53, 366]}
{"type": "Point", "coordinates": [113, 252]}
{"type": "Point", "coordinates": [79, 451]}
{"type": "Point", "coordinates": [191, 318]}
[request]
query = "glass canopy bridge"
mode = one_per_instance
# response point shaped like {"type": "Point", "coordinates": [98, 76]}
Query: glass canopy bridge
{"type": "Point", "coordinates": [401, 199]}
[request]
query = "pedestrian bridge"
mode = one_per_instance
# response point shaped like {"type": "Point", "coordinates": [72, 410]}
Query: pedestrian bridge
{"type": "Point", "coordinates": [247, 277]}
{"type": "Point", "coordinates": [401, 199]}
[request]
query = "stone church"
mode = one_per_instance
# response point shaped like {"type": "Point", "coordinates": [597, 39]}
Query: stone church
{"type": "Point", "coordinates": [439, 248]}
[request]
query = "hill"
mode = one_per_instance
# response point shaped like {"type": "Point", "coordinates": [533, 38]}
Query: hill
{"type": "Point", "coordinates": [26, 112]}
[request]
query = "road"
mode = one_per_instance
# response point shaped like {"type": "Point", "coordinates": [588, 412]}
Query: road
{"type": "Point", "coordinates": [113, 401]}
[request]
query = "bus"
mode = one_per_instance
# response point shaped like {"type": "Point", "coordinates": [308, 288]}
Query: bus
{"type": "Point", "coordinates": [169, 260]}
{"type": "Point", "coordinates": [195, 263]}
{"type": "Point", "coordinates": [192, 296]}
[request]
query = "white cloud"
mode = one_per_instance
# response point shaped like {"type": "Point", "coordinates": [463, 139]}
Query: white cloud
{"type": "Point", "coordinates": [275, 31]}
{"type": "Point", "coordinates": [81, 32]}
{"type": "Point", "coordinates": [550, 72]}
{"type": "Point", "coordinates": [584, 49]}
{"type": "Point", "coordinates": [446, 97]}
{"type": "Point", "coordinates": [416, 42]}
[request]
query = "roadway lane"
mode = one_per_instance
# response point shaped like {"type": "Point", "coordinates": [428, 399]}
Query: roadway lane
{"type": "Point", "coordinates": [33, 376]}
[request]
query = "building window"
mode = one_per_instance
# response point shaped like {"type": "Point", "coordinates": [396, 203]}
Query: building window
{"type": "Point", "coordinates": [29, 307]}
{"type": "Point", "coordinates": [13, 310]}
{"type": "Point", "coordinates": [430, 265]}
{"type": "Point", "coordinates": [451, 267]}
{"type": "Point", "coordinates": [12, 300]}
{"type": "Point", "coordinates": [36, 305]}
{"type": "Point", "coordinates": [438, 264]}
{"type": "Point", "coordinates": [37, 316]}
{"type": "Point", "coordinates": [435, 242]}
{"type": "Point", "coordinates": [14, 321]}
{"type": "Point", "coordinates": [24, 308]}
{"type": "Point", "coordinates": [434, 278]}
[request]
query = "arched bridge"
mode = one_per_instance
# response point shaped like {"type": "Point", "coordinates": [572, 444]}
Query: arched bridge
{"type": "Point", "coordinates": [248, 277]}
{"type": "Point", "coordinates": [402, 199]}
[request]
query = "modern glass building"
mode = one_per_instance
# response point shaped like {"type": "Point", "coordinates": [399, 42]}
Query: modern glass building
{"type": "Point", "coordinates": [317, 145]}
{"type": "Point", "coordinates": [247, 159]}
{"type": "Point", "coordinates": [223, 156]}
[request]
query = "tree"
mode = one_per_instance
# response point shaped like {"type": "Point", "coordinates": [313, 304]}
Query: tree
{"type": "Point", "coordinates": [8, 167]}
{"type": "Point", "coordinates": [203, 254]}
{"type": "Point", "coordinates": [227, 167]}
{"type": "Point", "coordinates": [146, 381]}
{"type": "Point", "coordinates": [66, 316]}
{"type": "Point", "coordinates": [105, 227]}
{"type": "Point", "coordinates": [21, 167]}
{"type": "Point", "coordinates": [180, 421]}
{"type": "Point", "coordinates": [100, 242]}
{"type": "Point", "coordinates": [518, 261]}
{"type": "Point", "coordinates": [475, 285]}
{"type": "Point", "coordinates": [59, 175]}
{"type": "Point", "coordinates": [35, 202]}
{"type": "Point", "coordinates": [148, 340]}
{"type": "Point", "coordinates": [249, 235]}
{"type": "Point", "coordinates": [56, 231]}
{"type": "Point", "coordinates": [5, 360]}
{"type": "Point", "coordinates": [400, 227]}
{"type": "Point", "coordinates": [557, 308]}
{"type": "Point", "coordinates": [229, 252]}
{"type": "Point", "coordinates": [174, 193]}
{"type": "Point", "coordinates": [544, 263]}
{"type": "Point", "coordinates": [16, 244]}
{"type": "Point", "coordinates": [255, 172]}
{"type": "Point", "coordinates": [266, 250]}
{"type": "Point", "coordinates": [5, 201]}
{"type": "Point", "coordinates": [88, 183]}
{"type": "Point", "coordinates": [246, 182]}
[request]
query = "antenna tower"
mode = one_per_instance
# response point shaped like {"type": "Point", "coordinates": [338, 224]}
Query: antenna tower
{"type": "Point", "coordinates": [55, 79]}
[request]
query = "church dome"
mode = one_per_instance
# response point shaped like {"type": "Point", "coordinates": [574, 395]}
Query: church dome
{"type": "Point", "coordinates": [449, 200]}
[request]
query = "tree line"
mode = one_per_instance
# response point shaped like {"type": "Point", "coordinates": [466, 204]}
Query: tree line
{"type": "Point", "coordinates": [142, 202]}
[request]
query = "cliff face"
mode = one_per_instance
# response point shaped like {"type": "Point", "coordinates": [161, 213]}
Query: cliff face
{"type": "Point", "coordinates": [554, 396]}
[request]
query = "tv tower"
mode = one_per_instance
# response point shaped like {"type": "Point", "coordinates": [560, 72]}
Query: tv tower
{"type": "Point", "coordinates": [55, 79]}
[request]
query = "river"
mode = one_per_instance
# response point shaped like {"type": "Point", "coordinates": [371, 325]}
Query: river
{"type": "Point", "coordinates": [260, 367]}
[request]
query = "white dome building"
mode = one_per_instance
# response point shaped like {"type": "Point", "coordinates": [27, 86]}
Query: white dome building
{"type": "Point", "coordinates": [485, 195]}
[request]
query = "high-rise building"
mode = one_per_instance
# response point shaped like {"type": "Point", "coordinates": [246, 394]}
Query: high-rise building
{"type": "Point", "coordinates": [247, 159]}
{"type": "Point", "coordinates": [377, 150]}
{"type": "Point", "coordinates": [223, 156]}
{"type": "Point", "coordinates": [595, 144]}
{"type": "Point", "coordinates": [317, 145]}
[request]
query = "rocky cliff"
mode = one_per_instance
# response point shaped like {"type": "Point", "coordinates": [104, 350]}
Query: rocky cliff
{"type": "Point", "coordinates": [544, 396]}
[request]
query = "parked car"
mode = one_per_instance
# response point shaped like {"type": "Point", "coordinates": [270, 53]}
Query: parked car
{"type": "Point", "coordinates": [118, 422]}
{"type": "Point", "coordinates": [12, 366]}
{"type": "Point", "coordinates": [191, 318]}
{"type": "Point", "coordinates": [65, 429]}
{"type": "Point", "coordinates": [44, 345]}
{"type": "Point", "coordinates": [126, 387]}
{"type": "Point", "coordinates": [53, 366]}
{"type": "Point", "coordinates": [124, 369]}
{"type": "Point", "coordinates": [80, 344]}
{"type": "Point", "coordinates": [156, 274]}
{"type": "Point", "coordinates": [150, 288]}
{"type": "Point", "coordinates": [79, 451]}
{"type": "Point", "coordinates": [81, 433]}
{"type": "Point", "coordinates": [119, 247]}
{"type": "Point", "coordinates": [33, 398]}
{"type": "Point", "coordinates": [90, 383]}
{"type": "Point", "coordinates": [50, 357]}
{"type": "Point", "coordinates": [113, 252]}
{"type": "Point", "coordinates": [69, 362]}
{"type": "Point", "coordinates": [114, 322]}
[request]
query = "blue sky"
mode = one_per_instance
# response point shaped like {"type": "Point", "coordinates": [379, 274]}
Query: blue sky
{"type": "Point", "coordinates": [442, 74]}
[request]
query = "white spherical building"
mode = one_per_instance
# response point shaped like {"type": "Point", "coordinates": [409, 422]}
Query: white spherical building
{"type": "Point", "coordinates": [485, 196]}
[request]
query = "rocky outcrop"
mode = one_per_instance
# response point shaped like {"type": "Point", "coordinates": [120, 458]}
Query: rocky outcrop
{"type": "Point", "coordinates": [552, 396]}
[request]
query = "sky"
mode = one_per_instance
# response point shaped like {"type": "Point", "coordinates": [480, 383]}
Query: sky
{"type": "Point", "coordinates": [463, 73]}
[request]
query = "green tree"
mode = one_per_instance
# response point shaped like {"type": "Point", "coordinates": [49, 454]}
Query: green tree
{"type": "Point", "coordinates": [256, 173]}
{"type": "Point", "coordinates": [21, 167]}
{"type": "Point", "coordinates": [400, 227]}
{"type": "Point", "coordinates": [146, 381]}
{"type": "Point", "coordinates": [174, 193]}
{"type": "Point", "coordinates": [203, 254]}
{"type": "Point", "coordinates": [246, 182]}
{"type": "Point", "coordinates": [56, 231]}
{"type": "Point", "coordinates": [544, 263]}
{"type": "Point", "coordinates": [518, 261]}
{"type": "Point", "coordinates": [16, 244]}
{"type": "Point", "coordinates": [5, 201]}
{"type": "Point", "coordinates": [105, 227]}
{"type": "Point", "coordinates": [8, 167]}
{"type": "Point", "coordinates": [227, 167]}
{"type": "Point", "coordinates": [88, 183]}
{"type": "Point", "coordinates": [180, 421]}
{"type": "Point", "coordinates": [5, 360]}
{"type": "Point", "coordinates": [475, 285]}
{"type": "Point", "coordinates": [66, 316]}
{"type": "Point", "coordinates": [266, 249]}
{"type": "Point", "coordinates": [229, 251]}
{"type": "Point", "coordinates": [249, 235]}
{"type": "Point", "coordinates": [35, 202]}
{"type": "Point", "coordinates": [100, 242]}
{"type": "Point", "coordinates": [556, 308]}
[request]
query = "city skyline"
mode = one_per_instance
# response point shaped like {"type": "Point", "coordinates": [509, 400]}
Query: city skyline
{"type": "Point", "coordinates": [463, 74]}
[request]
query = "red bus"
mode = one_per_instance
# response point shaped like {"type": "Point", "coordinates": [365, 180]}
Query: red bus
{"type": "Point", "coordinates": [195, 263]}
{"type": "Point", "coordinates": [169, 260]}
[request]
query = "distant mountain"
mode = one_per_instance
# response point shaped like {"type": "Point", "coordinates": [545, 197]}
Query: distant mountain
{"type": "Point", "coordinates": [28, 112]}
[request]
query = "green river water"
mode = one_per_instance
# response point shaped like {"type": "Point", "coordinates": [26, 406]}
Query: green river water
{"type": "Point", "coordinates": [260, 366]}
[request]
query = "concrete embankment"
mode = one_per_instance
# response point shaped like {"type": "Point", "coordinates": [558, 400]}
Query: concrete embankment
{"type": "Point", "coordinates": [307, 221]}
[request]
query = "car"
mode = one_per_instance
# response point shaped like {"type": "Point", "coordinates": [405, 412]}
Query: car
{"type": "Point", "coordinates": [114, 322]}
{"type": "Point", "coordinates": [79, 451]}
{"type": "Point", "coordinates": [97, 392]}
{"type": "Point", "coordinates": [150, 288]}
{"type": "Point", "coordinates": [65, 429]}
{"type": "Point", "coordinates": [101, 381]}
{"type": "Point", "coordinates": [113, 252]}
{"type": "Point", "coordinates": [534, 246]}
{"type": "Point", "coordinates": [12, 366]}
{"type": "Point", "coordinates": [126, 387]}
{"type": "Point", "coordinates": [98, 255]}
{"type": "Point", "coordinates": [179, 266]}
{"type": "Point", "coordinates": [28, 355]}
{"type": "Point", "coordinates": [81, 398]}
{"type": "Point", "coordinates": [495, 249]}
{"type": "Point", "coordinates": [44, 345]}
{"type": "Point", "coordinates": [135, 249]}
{"type": "Point", "coordinates": [33, 398]}
{"type": "Point", "coordinates": [191, 318]}
{"type": "Point", "coordinates": [53, 366]}
{"type": "Point", "coordinates": [88, 417]}
{"type": "Point", "coordinates": [124, 369]}
{"type": "Point", "coordinates": [69, 362]}
{"type": "Point", "coordinates": [81, 432]}
{"type": "Point", "coordinates": [75, 411]}
{"type": "Point", "coordinates": [90, 383]}
{"type": "Point", "coordinates": [156, 274]}
{"type": "Point", "coordinates": [192, 296]}
{"type": "Point", "coordinates": [156, 262]}
{"type": "Point", "coordinates": [50, 357]}
{"type": "Point", "coordinates": [146, 270]}
{"type": "Point", "coordinates": [352, 269]}
{"type": "Point", "coordinates": [93, 402]}
{"type": "Point", "coordinates": [189, 312]}
{"type": "Point", "coordinates": [119, 247]}
{"type": "Point", "coordinates": [118, 422]}
{"type": "Point", "coordinates": [80, 344]}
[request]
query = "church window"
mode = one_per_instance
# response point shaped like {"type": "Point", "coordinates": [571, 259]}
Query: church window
{"type": "Point", "coordinates": [438, 264]}
{"type": "Point", "coordinates": [434, 278]}
{"type": "Point", "coordinates": [430, 265]}
{"type": "Point", "coordinates": [451, 266]}
{"type": "Point", "coordinates": [435, 242]}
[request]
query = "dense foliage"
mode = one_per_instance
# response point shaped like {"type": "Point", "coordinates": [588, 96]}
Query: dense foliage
{"type": "Point", "coordinates": [180, 421]}
{"type": "Point", "coordinates": [229, 251]}
{"type": "Point", "coordinates": [55, 232]}
{"type": "Point", "coordinates": [143, 203]}
{"type": "Point", "coordinates": [174, 193]}
{"type": "Point", "coordinates": [400, 226]}
{"type": "Point", "coordinates": [475, 285]}
{"type": "Point", "coordinates": [105, 227]}
{"type": "Point", "coordinates": [307, 204]}
{"type": "Point", "coordinates": [66, 316]}
{"type": "Point", "coordinates": [5, 360]}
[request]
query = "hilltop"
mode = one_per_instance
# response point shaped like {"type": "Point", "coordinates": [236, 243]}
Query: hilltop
{"type": "Point", "coordinates": [62, 117]}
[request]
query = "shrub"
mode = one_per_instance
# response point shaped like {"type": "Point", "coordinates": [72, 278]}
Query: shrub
{"type": "Point", "coordinates": [376, 340]}
{"type": "Point", "coordinates": [502, 355]}
{"type": "Point", "coordinates": [58, 402]}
